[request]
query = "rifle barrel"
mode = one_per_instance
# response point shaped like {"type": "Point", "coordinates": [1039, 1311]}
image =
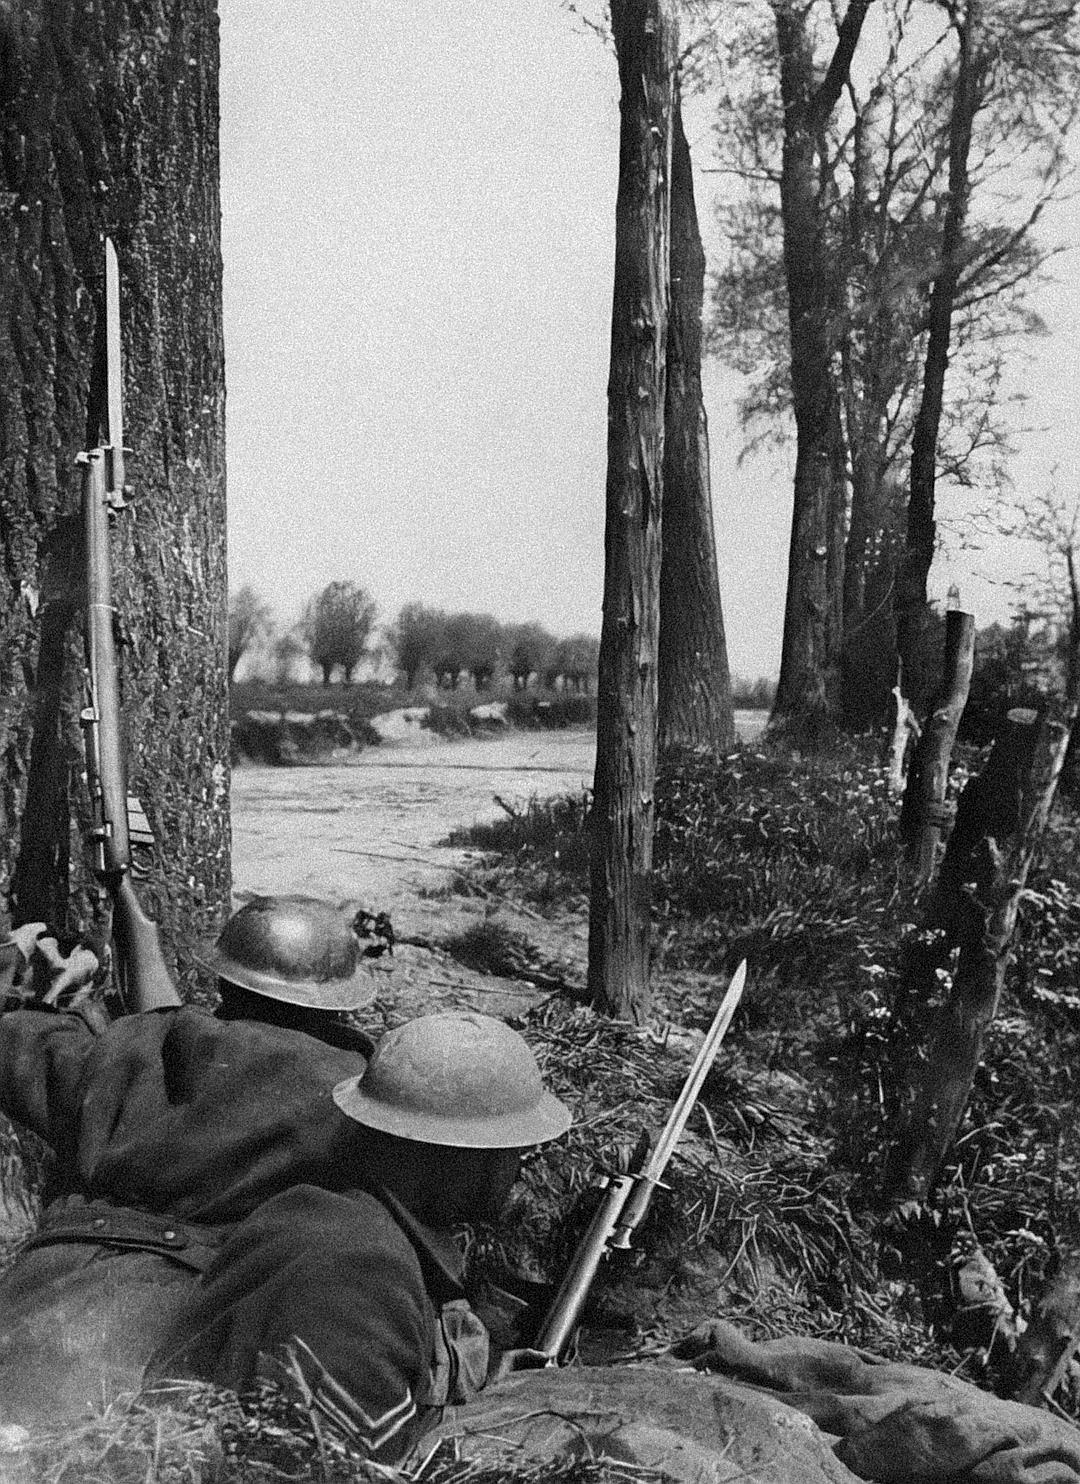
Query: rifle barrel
{"type": "Point", "coordinates": [570, 1299]}
{"type": "Point", "coordinates": [104, 723]}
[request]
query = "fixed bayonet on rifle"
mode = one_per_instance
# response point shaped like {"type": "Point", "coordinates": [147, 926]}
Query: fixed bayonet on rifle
{"type": "Point", "coordinates": [626, 1197]}
{"type": "Point", "coordinates": [117, 821]}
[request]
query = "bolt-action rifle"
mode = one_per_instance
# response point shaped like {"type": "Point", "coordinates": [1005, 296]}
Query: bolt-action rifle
{"type": "Point", "coordinates": [117, 821]}
{"type": "Point", "coordinates": [626, 1197]}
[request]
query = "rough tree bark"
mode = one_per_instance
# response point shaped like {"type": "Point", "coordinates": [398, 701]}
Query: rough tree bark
{"type": "Point", "coordinates": [813, 612]}
{"type": "Point", "coordinates": [923, 817]}
{"type": "Point", "coordinates": [910, 591]}
{"type": "Point", "coordinates": [622, 814]}
{"type": "Point", "coordinates": [1000, 821]}
{"type": "Point", "coordinates": [1050, 1341]}
{"type": "Point", "coordinates": [694, 683]}
{"type": "Point", "coordinates": [110, 124]}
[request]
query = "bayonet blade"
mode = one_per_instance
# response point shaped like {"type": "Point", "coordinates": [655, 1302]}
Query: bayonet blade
{"type": "Point", "coordinates": [114, 370]}
{"type": "Point", "coordinates": [650, 1176]}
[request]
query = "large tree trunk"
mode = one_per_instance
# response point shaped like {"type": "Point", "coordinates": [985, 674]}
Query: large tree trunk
{"type": "Point", "coordinates": [813, 611]}
{"type": "Point", "coordinates": [110, 123]}
{"type": "Point", "coordinates": [694, 682]}
{"type": "Point", "coordinates": [910, 592]}
{"type": "Point", "coordinates": [622, 814]}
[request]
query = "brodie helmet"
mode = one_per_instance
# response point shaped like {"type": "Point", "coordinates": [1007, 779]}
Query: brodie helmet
{"type": "Point", "coordinates": [460, 1079]}
{"type": "Point", "coordinates": [293, 948]}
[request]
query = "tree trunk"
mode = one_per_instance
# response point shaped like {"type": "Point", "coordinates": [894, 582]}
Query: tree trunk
{"type": "Point", "coordinates": [694, 704]}
{"type": "Point", "coordinates": [910, 592]}
{"type": "Point", "coordinates": [813, 611]}
{"type": "Point", "coordinates": [1000, 822]}
{"type": "Point", "coordinates": [622, 813]}
{"type": "Point", "coordinates": [923, 817]}
{"type": "Point", "coordinates": [1050, 1341]}
{"type": "Point", "coordinates": [112, 126]}
{"type": "Point", "coordinates": [865, 525]}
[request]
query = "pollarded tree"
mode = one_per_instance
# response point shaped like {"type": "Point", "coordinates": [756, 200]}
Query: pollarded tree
{"type": "Point", "coordinates": [482, 644]}
{"type": "Point", "coordinates": [576, 660]}
{"type": "Point", "coordinates": [530, 650]}
{"type": "Point", "coordinates": [337, 624]}
{"type": "Point", "coordinates": [110, 117]}
{"type": "Point", "coordinates": [415, 637]}
{"type": "Point", "coordinates": [250, 621]}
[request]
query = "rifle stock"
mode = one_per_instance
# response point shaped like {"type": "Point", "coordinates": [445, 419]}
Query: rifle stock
{"type": "Point", "coordinates": [145, 979]}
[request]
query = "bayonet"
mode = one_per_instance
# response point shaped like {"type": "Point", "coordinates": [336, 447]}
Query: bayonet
{"type": "Point", "coordinates": [114, 376]}
{"type": "Point", "coordinates": [626, 1197]}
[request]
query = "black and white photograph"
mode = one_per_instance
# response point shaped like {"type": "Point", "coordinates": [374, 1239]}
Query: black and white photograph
{"type": "Point", "coordinates": [539, 817]}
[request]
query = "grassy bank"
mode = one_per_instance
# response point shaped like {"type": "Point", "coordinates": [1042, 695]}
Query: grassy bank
{"type": "Point", "coordinates": [792, 863]}
{"type": "Point", "coordinates": [769, 1214]}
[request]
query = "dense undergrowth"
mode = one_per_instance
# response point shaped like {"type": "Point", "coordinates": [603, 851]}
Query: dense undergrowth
{"type": "Point", "coordinates": [792, 863]}
{"type": "Point", "coordinates": [770, 1214]}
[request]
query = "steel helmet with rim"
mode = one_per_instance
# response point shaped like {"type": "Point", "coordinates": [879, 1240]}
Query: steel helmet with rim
{"type": "Point", "coordinates": [458, 1078]}
{"type": "Point", "coordinates": [296, 949]}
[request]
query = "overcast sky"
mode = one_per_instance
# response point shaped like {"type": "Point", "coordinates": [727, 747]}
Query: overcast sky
{"type": "Point", "coordinates": [418, 213]}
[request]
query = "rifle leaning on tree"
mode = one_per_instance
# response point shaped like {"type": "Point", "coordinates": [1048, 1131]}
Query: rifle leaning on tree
{"type": "Point", "coordinates": [627, 1197]}
{"type": "Point", "coordinates": [117, 821]}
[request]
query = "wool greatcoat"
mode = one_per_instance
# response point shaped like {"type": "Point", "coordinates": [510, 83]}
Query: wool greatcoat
{"type": "Point", "coordinates": [208, 1220]}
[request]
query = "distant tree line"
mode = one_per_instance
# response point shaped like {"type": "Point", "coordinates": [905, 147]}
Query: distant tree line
{"type": "Point", "coordinates": [337, 632]}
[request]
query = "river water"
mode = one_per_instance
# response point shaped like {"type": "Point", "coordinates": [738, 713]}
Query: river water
{"type": "Point", "coordinates": [369, 830]}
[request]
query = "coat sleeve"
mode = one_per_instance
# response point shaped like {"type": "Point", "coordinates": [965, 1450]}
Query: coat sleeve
{"type": "Point", "coordinates": [324, 1293]}
{"type": "Point", "coordinates": [43, 1057]}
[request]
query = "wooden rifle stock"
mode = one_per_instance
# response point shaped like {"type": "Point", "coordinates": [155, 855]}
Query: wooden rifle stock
{"type": "Point", "coordinates": [146, 983]}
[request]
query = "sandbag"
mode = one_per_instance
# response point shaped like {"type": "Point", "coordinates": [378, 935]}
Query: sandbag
{"type": "Point", "coordinates": [698, 1429]}
{"type": "Point", "coordinates": [896, 1423]}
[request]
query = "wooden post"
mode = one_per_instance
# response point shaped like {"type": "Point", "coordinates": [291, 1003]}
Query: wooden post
{"type": "Point", "coordinates": [905, 727]}
{"type": "Point", "coordinates": [999, 824]}
{"type": "Point", "coordinates": [925, 817]}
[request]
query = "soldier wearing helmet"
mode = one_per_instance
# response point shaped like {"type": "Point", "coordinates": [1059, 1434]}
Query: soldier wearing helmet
{"type": "Point", "coordinates": [297, 962]}
{"type": "Point", "coordinates": [358, 1296]}
{"type": "Point", "coordinates": [167, 1125]}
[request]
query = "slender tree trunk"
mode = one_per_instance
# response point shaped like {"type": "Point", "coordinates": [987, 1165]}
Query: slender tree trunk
{"type": "Point", "coordinates": [910, 593]}
{"type": "Point", "coordinates": [1000, 822]}
{"type": "Point", "coordinates": [865, 525]}
{"type": "Point", "coordinates": [111, 124]}
{"type": "Point", "coordinates": [813, 610]}
{"type": "Point", "coordinates": [622, 815]}
{"type": "Point", "coordinates": [694, 683]}
{"type": "Point", "coordinates": [924, 818]}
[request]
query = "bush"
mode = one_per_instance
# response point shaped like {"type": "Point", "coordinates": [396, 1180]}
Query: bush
{"type": "Point", "coordinates": [552, 712]}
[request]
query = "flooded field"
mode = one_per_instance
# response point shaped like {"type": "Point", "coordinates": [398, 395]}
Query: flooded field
{"type": "Point", "coordinates": [369, 830]}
